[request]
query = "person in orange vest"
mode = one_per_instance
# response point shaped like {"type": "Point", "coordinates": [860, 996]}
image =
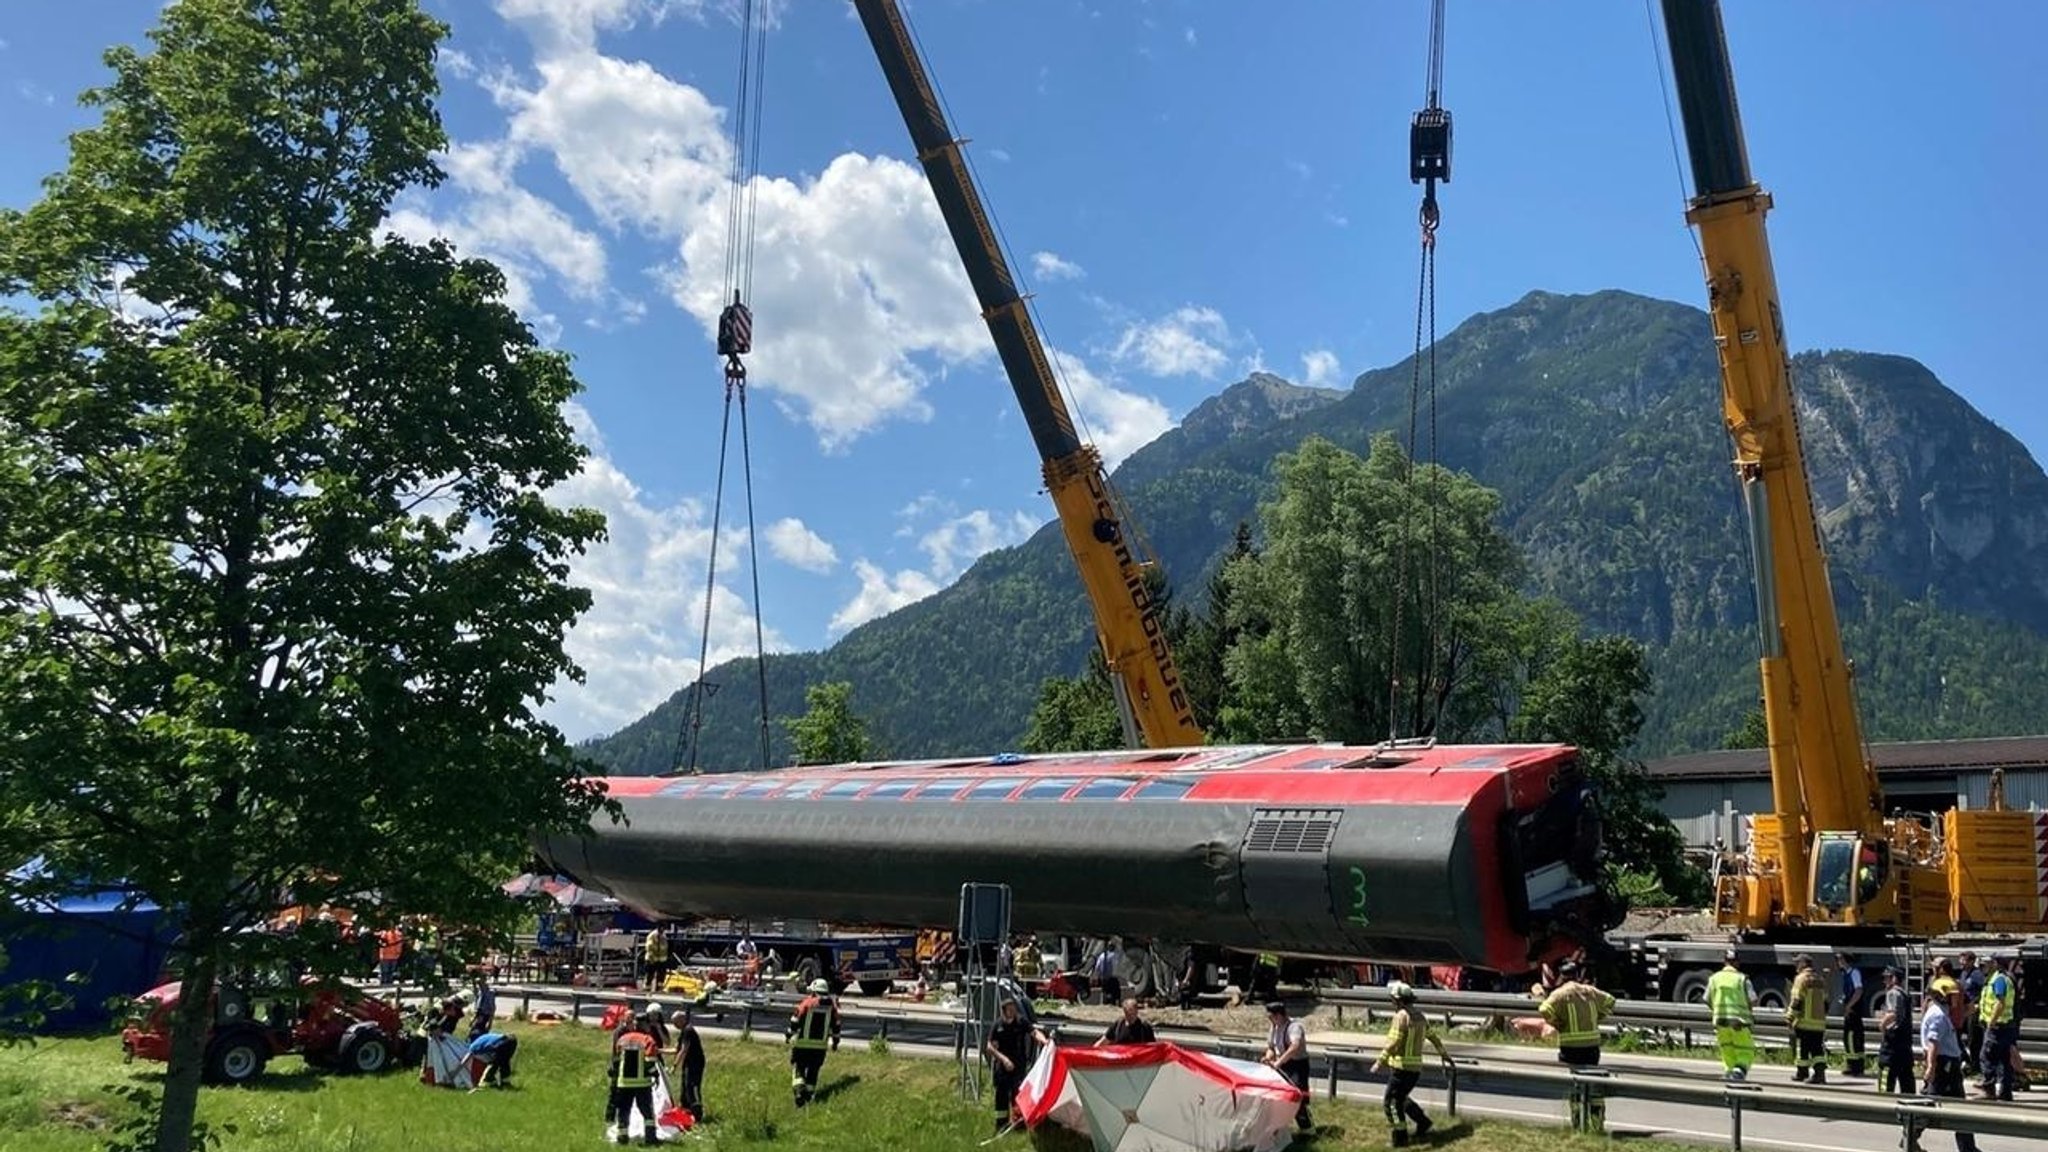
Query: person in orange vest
{"type": "Point", "coordinates": [390, 949]}
{"type": "Point", "coordinates": [815, 1021]}
{"type": "Point", "coordinates": [630, 1081]}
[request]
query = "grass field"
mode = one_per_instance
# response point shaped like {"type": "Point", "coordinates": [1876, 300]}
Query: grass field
{"type": "Point", "coordinates": [64, 1096]}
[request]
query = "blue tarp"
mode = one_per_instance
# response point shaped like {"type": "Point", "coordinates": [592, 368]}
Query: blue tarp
{"type": "Point", "coordinates": [120, 950]}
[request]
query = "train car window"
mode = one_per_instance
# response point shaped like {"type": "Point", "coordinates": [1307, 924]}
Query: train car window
{"type": "Point", "coordinates": [846, 789]}
{"type": "Point", "coordinates": [993, 789]}
{"type": "Point", "coordinates": [718, 788]}
{"type": "Point", "coordinates": [682, 788]}
{"type": "Point", "coordinates": [944, 789]}
{"type": "Point", "coordinates": [801, 788]}
{"type": "Point", "coordinates": [758, 789]}
{"type": "Point", "coordinates": [892, 790]}
{"type": "Point", "coordinates": [1104, 790]}
{"type": "Point", "coordinates": [1047, 789]}
{"type": "Point", "coordinates": [1164, 790]}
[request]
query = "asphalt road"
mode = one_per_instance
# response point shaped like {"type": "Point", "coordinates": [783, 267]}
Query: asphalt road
{"type": "Point", "coordinates": [924, 1032]}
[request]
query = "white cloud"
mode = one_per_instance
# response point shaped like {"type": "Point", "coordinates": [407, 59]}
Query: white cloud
{"type": "Point", "coordinates": [1319, 368]}
{"type": "Point", "coordinates": [639, 641]}
{"type": "Point", "coordinates": [1118, 422]}
{"type": "Point", "coordinates": [958, 542]}
{"type": "Point", "coordinates": [794, 543]}
{"type": "Point", "coordinates": [880, 594]}
{"type": "Point", "coordinates": [1053, 266]}
{"type": "Point", "coordinates": [1185, 342]}
{"type": "Point", "coordinates": [566, 25]}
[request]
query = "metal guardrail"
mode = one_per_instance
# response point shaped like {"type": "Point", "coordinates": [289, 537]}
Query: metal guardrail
{"type": "Point", "coordinates": [1627, 1013]}
{"type": "Point", "coordinates": [1912, 1115]}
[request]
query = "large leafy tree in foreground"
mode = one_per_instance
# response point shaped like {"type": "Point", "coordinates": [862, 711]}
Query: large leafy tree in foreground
{"type": "Point", "coordinates": [280, 588]}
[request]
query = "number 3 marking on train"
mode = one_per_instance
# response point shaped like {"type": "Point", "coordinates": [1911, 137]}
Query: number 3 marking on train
{"type": "Point", "coordinates": [1358, 897]}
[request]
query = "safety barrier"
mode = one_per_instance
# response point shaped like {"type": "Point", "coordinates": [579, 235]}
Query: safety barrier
{"type": "Point", "coordinates": [1911, 1115]}
{"type": "Point", "coordinates": [1686, 1018]}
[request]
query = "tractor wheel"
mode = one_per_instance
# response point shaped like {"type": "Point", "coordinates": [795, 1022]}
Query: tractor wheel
{"type": "Point", "coordinates": [367, 1052]}
{"type": "Point", "coordinates": [236, 1058]}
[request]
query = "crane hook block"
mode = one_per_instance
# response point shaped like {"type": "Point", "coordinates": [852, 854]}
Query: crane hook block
{"type": "Point", "coordinates": [1429, 146]}
{"type": "Point", "coordinates": [735, 330]}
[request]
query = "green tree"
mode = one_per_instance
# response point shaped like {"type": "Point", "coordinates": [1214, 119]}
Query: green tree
{"type": "Point", "coordinates": [1076, 713]}
{"type": "Point", "coordinates": [1207, 637]}
{"type": "Point", "coordinates": [829, 732]}
{"type": "Point", "coordinates": [1590, 696]}
{"type": "Point", "coordinates": [1751, 733]}
{"type": "Point", "coordinates": [281, 591]}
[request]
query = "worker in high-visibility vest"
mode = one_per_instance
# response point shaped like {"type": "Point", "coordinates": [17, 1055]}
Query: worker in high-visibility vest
{"type": "Point", "coordinates": [1266, 976]}
{"type": "Point", "coordinates": [654, 960]}
{"type": "Point", "coordinates": [1995, 1008]}
{"type": "Point", "coordinates": [1576, 1009]}
{"type": "Point", "coordinates": [631, 1081]}
{"type": "Point", "coordinates": [1731, 1001]}
{"type": "Point", "coordinates": [1403, 1054]}
{"type": "Point", "coordinates": [813, 1026]}
{"type": "Point", "coordinates": [1808, 1016]}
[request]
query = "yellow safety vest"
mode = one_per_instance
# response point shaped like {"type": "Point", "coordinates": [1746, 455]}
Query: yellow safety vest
{"type": "Point", "coordinates": [1728, 998]}
{"type": "Point", "coordinates": [632, 1067]}
{"type": "Point", "coordinates": [1580, 1006]}
{"type": "Point", "coordinates": [656, 947]}
{"type": "Point", "coordinates": [1404, 1040]}
{"type": "Point", "coordinates": [1993, 1008]}
{"type": "Point", "coordinates": [1269, 960]}
{"type": "Point", "coordinates": [813, 1025]}
{"type": "Point", "coordinates": [1809, 1002]}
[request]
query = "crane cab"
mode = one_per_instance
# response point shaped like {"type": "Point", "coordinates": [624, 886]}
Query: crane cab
{"type": "Point", "coordinates": [1848, 879]}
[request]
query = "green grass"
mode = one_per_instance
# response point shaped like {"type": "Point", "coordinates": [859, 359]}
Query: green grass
{"type": "Point", "coordinates": [64, 1096]}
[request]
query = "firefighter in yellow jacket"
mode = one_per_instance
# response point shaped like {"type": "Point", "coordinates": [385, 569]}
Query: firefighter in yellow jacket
{"type": "Point", "coordinates": [1403, 1055]}
{"type": "Point", "coordinates": [1808, 1016]}
{"type": "Point", "coordinates": [1576, 1009]}
{"type": "Point", "coordinates": [813, 1025]}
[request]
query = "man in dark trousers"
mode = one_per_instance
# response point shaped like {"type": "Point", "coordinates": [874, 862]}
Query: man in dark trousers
{"type": "Point", "coordinates": [1129, 1028]}
{"type": "Point", "coordinates": [1849, 983]}
{"type": "Point", "coordinates": [814, 1023]}
{"type": "Point", "coordinates": [1287, 1051]}
{"type": "Point", "coordinates": [689, 1064]}
{"type": "Point", "coordinates": [1009, 1053]}
{"type": "Point", "coordinates": [1897, 1030]}
{"type": "Point", "coordinates": [631, 1081]}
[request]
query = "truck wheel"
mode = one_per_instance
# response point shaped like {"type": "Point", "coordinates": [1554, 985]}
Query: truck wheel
{"type": "Point", "coordinates": [366, 1052]}
{"type": "Point", "coordinates": [236, 1058]}
{"type": "Point", "coordinates": [806, 971]}
{"type": "Point", "coordinates": [876, 987]}
{"type": "Point", "coordinates": [1772, 993]}
{"type": "Point", "coordinates": [1691, 988]}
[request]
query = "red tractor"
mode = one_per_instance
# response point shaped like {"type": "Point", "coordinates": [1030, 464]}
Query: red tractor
{"type": "Point", "coordinates": [332, 1026]}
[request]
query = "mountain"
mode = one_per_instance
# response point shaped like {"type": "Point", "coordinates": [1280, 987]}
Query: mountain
{"type": "Point", "coordinates": [1597, 418]}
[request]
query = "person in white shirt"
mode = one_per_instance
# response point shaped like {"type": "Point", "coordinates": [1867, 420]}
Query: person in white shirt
{"type": "Point", "coordinates": [1943, 1052]}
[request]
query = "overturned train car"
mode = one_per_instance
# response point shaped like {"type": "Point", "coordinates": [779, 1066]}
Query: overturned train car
{"type": "Point", "coordinates": [1485, 855]}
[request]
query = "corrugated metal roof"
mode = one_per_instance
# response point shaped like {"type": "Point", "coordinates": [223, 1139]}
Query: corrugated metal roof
{"type": "Point", "coordinates": [1913, 758]}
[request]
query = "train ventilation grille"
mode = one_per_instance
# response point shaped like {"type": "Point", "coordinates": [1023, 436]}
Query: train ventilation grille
{"type": "Point", "coordinates": [1292, 833]}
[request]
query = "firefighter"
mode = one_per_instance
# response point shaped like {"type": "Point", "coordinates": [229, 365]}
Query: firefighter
{"type": "Point", "coordinates": [814, 1023]}
{"type": "Point", "coordinates": [1851, 988]}
{"type": "Point", "coordinates": [1731, 1000]}
{"type": "Point", "coordinates": [1403, 1054]}
{"type": "Point", "coordinates": [1995, 1006]}
{"type": "Point", "coordinates": [631, 1079]}
{"type": "Point", "coordinates": [1808, 1016]}
{"type": "Point", "coordinates": [1575, 1009]}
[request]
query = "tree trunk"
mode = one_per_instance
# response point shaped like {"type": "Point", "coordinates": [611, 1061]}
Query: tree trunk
{"type": "Point", "coordinates": [189, 1025]}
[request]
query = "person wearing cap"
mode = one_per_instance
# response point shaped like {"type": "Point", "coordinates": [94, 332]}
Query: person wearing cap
{"type": "Point", "coordinates": [1849, 983]}
{"type": "Point", "coordinates": [1403, 1054]}
{"type": "Point", "coordinates": [1287, 1052]}
{"type": "Point", "coordinates": [814, 1023]}
{"type": "Point", "coordinates": [1995, 1012]}
{"type": "Point", "coordinates": [1575, 1009]}
{"type": "Point", "coordinates": [1808, 1016]}
{"type": "Point", "coordinates": [1969, 990]}
{"type": "Point", "coordinates": [1894, 1011]}
{"type": "Point", "coordinates": [1731, 1001]}
{"type": "Point", "coordinates": [1943, 1052]}
{"type": "Point", "coordinates": [630, 1081]}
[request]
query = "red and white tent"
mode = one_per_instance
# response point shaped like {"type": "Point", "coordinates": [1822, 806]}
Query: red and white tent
{"type": "Point", "coordinates": [1160, 1098]}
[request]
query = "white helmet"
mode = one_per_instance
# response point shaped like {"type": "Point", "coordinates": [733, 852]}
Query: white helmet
{"type": "Point", "coordinates": [820, 988]}
{"type": "Point", "coordinates": [1400, 991]}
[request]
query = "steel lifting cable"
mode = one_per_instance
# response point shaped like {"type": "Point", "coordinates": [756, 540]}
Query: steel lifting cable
{"type": "Point", "coordinates": [735, 340]}
{"type": "Point", "coordinates": [1429, 161]}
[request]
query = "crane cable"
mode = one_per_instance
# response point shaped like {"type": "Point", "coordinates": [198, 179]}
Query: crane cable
{"type": "Point", "coordinates": [735, 340]}
{"type": "Point", "coordinates": [1429, 160]}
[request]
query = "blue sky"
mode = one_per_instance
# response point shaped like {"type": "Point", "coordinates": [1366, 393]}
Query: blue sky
{"type": "Point", "coordinates": [1193, 190]}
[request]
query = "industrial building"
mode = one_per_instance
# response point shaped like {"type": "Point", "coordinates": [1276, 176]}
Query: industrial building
{"type": "Point", "coordinates": [1706, 793]}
